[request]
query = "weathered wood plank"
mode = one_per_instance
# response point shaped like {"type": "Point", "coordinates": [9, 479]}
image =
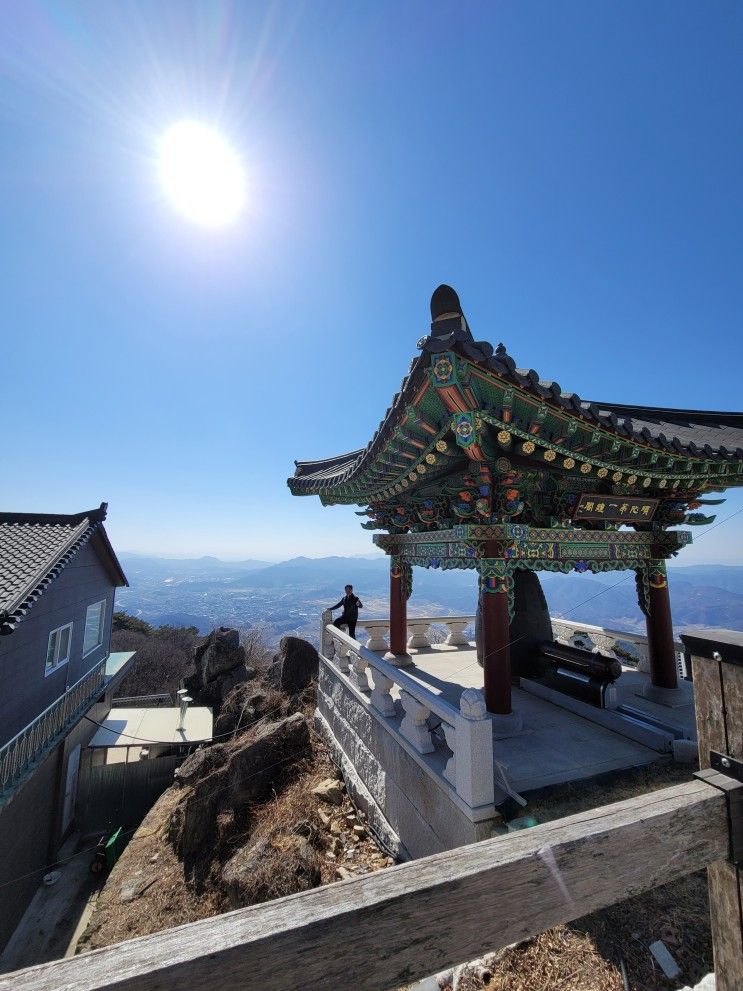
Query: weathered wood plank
{"type": "Point", "coordinates": [397, 925]}
{"type": "Point", "coordinates": [718, 692]}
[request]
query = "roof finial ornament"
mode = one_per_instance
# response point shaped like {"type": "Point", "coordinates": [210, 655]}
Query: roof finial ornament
{"type": "Point", "coordinates": [446, 313]}
{"type": "Point", "coordinates": [500, 350]}
{"type": "Point", "coordinates": [445, 303]}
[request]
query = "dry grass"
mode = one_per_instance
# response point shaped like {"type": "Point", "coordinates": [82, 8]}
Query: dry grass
{"type": "Point", "coordinates": [584, 956]}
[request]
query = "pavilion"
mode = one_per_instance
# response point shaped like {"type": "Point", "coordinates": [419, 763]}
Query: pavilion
{"type": "Point", "coordinates": [479, 464]}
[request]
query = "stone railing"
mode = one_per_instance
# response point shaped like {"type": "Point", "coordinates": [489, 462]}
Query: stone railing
{"type": "Point", "coordinates": [626, 647]}
{"type": "Point", "coordinates": [36, 739]}
{"type": "Point", "coordinates": [418, 631]}
{"type": "Point", "coordinates": [467, 729]}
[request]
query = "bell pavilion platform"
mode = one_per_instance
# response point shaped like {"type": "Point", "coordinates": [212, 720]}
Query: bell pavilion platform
{"type": "Point", "coordinates": [561, 739]}
{"type": "Point", "coordinates": [434, 769]}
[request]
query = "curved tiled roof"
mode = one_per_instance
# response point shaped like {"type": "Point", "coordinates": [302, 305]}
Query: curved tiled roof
{"type": "Point", "coordinates": [34, 549]}
{"type": "Point", "coordinates": [693, 433]}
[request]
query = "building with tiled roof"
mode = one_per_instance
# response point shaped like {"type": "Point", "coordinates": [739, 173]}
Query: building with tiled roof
{"type": "Point", "coordinates": [58, 576]}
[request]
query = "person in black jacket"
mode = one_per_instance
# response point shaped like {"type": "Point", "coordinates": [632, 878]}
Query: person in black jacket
{"type": "Point", "coordinates": [349, 617]}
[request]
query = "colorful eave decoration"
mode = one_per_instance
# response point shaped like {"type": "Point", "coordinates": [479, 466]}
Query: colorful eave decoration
{"type": "Point", "coordinates": [471, 439]}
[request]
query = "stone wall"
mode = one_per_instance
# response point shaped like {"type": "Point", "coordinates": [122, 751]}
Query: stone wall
{"type": "Point", "coordinates": [411, 803]}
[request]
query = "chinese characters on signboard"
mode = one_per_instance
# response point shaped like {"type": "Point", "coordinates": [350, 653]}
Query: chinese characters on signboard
{"type": "Point", "coordinates": [615, 509]}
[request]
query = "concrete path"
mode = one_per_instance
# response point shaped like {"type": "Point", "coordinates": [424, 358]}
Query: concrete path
{"type": "Point", "coordinates": [57, 916]}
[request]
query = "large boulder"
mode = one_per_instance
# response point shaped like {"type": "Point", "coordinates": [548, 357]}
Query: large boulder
{"type": "Point", "coordinates": [233, 776]}
{"type": "Point", "coordinates": [219, 662]}
{"type": "Point", "coordinates": [256, 766]}
{"type": "Point", "coordinates": [218, 654]}
{"type": "Point", "coordinates": [296, 665]}
{"type": "Point", "coordinates": [269, 869]}
{"type": "Point", "coordinates": [194, 819]}
{"type": "Point", "coordinates": [247, 703]}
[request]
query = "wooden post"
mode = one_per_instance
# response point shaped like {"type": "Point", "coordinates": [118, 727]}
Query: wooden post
{"type": "Point", "coordinates": [661, 651]}
{"type": "Point", "coordinates": [398, 610]}
{"type": "Point", "coordinates": [717, 666]}
{"type": "Point", "coordinates": [496, 649]}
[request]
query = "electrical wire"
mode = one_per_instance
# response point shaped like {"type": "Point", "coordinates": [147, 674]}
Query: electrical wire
{"type": "Point", "coordinates": [92, 849]}
{"type": "Point", "coordinates": [596, 595]}
{"type": "Point", "coordinates": [236, 780]}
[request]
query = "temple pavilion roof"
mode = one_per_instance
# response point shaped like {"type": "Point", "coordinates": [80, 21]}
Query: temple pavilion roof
{"type": "Point", "coordinates": [466, 401]}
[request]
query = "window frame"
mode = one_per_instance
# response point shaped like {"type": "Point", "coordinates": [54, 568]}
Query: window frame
{"type": "Point", "coordinates": [101, 626]}
{"type": "Point", "coordinates": [58, 664]}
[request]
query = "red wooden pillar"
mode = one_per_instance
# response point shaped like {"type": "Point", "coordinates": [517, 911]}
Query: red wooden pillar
{"type": "Point", "coordinates": [662, 654]}
{"type": "Point", "coordinates": [496, 649]}
{"type": "Point", "coordinates": [398, 610]}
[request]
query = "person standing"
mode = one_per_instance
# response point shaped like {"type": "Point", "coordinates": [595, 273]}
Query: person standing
{"type": "Point", "coordinates": [350, 615]}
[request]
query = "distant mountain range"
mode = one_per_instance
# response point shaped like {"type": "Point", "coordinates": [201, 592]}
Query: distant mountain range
{"type": "Point", "coordinates": [288, 597]}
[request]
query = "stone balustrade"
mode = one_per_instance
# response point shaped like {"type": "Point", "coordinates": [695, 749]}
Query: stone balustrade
{"type": "Point", "coordinates": [418, 631]}
{"type": "Point", "coordinates": [467, 730]}
{"type": "Point", "coordinates": [625, 646]}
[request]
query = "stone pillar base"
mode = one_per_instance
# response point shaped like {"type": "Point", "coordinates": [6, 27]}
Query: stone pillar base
{"type": "Point", "coordinates": [674, 698]}
{"type": "Point", "coordinates": [506, 725]}
{"type": "Point", "coordinates": [399, 660]}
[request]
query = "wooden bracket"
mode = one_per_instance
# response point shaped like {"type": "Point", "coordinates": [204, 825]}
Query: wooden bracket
{"type": "Point", "coordinates": [726, 774]}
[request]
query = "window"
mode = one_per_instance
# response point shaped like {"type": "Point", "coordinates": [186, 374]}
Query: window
{"type": "Point", "coordinates": [95, 619]}
{"type": "Point", "coordinates": [58, 648]}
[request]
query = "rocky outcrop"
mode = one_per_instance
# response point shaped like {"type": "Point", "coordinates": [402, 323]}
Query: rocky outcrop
{"type": "Point", "coordinates": [247, 876]}
{"type": "Point", "coordinates": [295, 666]}
{"type": "Point", "coordinates": [220, 666]}
{"type": "Point", "coordinates": [228, 777]}
{"type": "Point", "coordinates": [247, 703]}
{"type": "Point", "coordinates": [254, 767]}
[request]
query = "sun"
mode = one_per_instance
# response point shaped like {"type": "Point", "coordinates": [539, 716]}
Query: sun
{"type": "Point", "coordinates": [202, 175]}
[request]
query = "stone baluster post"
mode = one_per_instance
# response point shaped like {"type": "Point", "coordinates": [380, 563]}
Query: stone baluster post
{"type": "Point", "coordinates": [470, 768]}
{"type": "Point", "coordinates": [413, 726]}
{"type": "Point", "coordinates": [359, 676]}
{"type": "Point", "coordinates": [380, 696]}
{"type": "Point", "coordinates": [418, 630]}
{"type": "Point", "coordinates": [456, 637]}
{"type": "Point", "coordinates": [377, 631]}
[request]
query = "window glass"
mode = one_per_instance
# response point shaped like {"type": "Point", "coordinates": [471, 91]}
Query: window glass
{"type": "Point", "coordinates": [94, 626]}
{"type": "Point", "coordinates": [58, 647]}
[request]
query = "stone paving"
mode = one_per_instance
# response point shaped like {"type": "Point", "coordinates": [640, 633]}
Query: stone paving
{"type": "Point", "coordinates": [554, 745]}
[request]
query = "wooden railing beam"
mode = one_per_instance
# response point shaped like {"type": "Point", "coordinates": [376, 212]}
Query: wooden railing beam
{"type": "Point", "coordinates": [418, 917]}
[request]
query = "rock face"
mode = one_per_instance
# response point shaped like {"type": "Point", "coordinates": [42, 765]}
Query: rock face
{"type": "Point", "coordinates": [247, 875]}
{"type": "Point", "coordinates": [254, 767]}
{"type": "Point", "coordinates": [219, 661]}
{"type": "Point", "coordinates": [229, 777]}
{"type": "Point", "coordinates": [242, 706]}
{"type": "Point", "coordinates": [295, 666]}
{"type": "Point", "coordinates": [530, 626]}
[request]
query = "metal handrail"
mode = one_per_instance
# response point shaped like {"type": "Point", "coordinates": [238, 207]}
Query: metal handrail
{"type": "Point", "coordinates": [25, 748]}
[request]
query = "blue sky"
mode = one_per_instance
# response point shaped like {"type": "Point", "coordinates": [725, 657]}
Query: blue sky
{"type": "Point", "coordinates": [573, 169]}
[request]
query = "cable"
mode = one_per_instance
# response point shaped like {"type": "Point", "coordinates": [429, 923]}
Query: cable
{"type": "Point", "coordinates": [126, 832]}
{"type": "Point", "coordinates": [608, 588]}
{"type": "Point", "coordinates": [176, 743]}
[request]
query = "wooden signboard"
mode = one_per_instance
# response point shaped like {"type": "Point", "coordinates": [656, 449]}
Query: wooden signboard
{"type": "Point", "coordinates": [615, 509]}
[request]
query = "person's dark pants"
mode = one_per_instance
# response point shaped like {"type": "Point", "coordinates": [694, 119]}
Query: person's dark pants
{"type": "Point", "coordinates": [346, 621]}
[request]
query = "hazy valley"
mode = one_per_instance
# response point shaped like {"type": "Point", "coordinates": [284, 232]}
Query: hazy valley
{"type": "Point", "coordinates": [288, 597]}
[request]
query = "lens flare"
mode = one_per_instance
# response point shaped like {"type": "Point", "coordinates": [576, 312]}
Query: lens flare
{"type": "Point", "coordinates": [201, 174]}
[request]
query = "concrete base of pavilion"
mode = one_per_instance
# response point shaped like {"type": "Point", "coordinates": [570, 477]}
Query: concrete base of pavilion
{"type": "Point", "coordinates": [551, 739]}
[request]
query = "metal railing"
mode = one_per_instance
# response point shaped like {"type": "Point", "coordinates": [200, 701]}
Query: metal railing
{"type": "Point", "coordinates": [36, 739]}
{"type": "Point", "coordinates": [163, 699]}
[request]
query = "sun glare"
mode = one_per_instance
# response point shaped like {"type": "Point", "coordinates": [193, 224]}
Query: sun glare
{"type": "Point", "coordinates": [202, 174]}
